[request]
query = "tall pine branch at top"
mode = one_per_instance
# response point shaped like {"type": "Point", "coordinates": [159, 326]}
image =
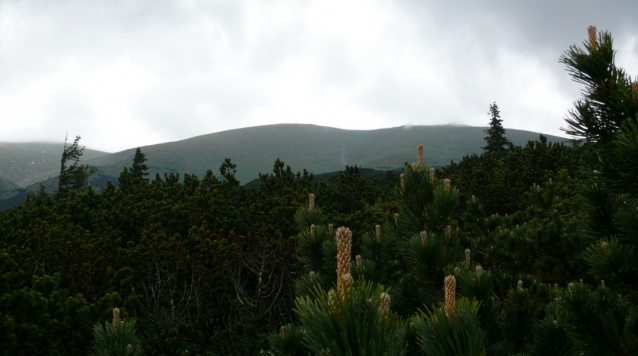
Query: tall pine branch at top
{"type": "Point", "coordinates": [607, 99]}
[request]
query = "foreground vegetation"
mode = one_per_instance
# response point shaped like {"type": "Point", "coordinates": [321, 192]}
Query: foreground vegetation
{"type": "Point", "coordinates": [520, 250]}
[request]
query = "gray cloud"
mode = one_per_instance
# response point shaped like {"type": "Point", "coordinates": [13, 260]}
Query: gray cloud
{"type": "Point", "coordinates": [130, 73]}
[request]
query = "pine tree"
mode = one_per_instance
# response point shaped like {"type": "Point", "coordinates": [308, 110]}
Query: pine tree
{"type": "Point", "coordinates": [603, 320]}
{"type": "Point", "coordinates": [73, 175]}
{"type": "Point", "coordinates": [136, 174]}
{"type": "Point", "coordinates": [116, 338]}
{"type": "Point", "coordinates": [496, 133]}
{"type": "Point", "coordinates": [405, 262]}
{"type": "Point", "coordinates": [139, 169]}
{"type": "Point", "coordinates": [228, 170]}
{"type": "Point", "coordinates": [609, 97]}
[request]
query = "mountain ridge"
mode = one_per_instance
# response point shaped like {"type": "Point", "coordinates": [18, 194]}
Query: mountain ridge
{"type": "Point", "coordinates": [318, 149]}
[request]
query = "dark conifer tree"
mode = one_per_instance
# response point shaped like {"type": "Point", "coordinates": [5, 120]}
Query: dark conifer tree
{"type": "Point", "coordinates": [608, 97]}
{"type": "Point", "coordinates": [228, 170]}
{"type": "Point", "coordinates": [139, 169]}
{"type": "Point", "coordinates": [73, 175]}
{"type": "Point", "coordinates": [496, 133]}
{"type": "Point", "coordinates": [136, 173]}
{"type": "Point", "coordinates": [605, 118]}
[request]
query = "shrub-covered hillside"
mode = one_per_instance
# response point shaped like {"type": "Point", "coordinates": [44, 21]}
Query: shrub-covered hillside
{"type": "Point", "coordinates": [518, 251]}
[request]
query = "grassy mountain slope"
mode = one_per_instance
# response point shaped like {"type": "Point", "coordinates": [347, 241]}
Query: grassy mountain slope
{"type": "Point", "coordinates": [254, 150]}
{"type": "Point", "coordinates": [7, 185]}
{"type": "Point", "coordinates": [316, 148]}
{"type": "Point", "coordinates": [28, 163]}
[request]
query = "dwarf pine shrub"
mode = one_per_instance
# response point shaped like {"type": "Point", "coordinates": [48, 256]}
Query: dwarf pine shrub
{"type": "Point", "coordinates": [116, 338]}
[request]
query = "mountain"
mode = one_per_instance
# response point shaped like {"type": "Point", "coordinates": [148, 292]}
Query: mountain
{"type": "Point", "coordinates": [254, 150]}
{"type": "Point", "coordinates": [316, 148]}
{"type": "Point", "coordinates": [7, 185]}
{"type": "Point", "coordinates": [27, 163]}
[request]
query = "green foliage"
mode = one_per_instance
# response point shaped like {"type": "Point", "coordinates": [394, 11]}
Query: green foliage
{"type": "Point", "coordinates": [207, 266]}
{"type": "Point", "coordinates": [519, 314]}
{"type": "Point", "coordinates": [378, 250]}
{"type": "Point", "coordinates": [615, 263]}
{"type": "Point", "coordinates": [228, 171]}
{"type": "Point", "coordinates": [73, 175]}
{"type": "Point", "coordinates": [478, 285]}
{"type": "Point", "coordinates": [547, 243]}
{"type": "Point", "coordinates": [39, 318]}
{"type": "Point", "coordinates": [602, 321]}
{"type": "Point", "coordinates": [599, 321]}
{"type": "Point", "coordinates": [500, 179]}
{"type": "Point", "coordinates": [456, 335]}
{"type": "Point", "coordinates": [136, 175]}
{"type": "Point", "coordinates": [552, 334]}
{"type": "Point", "coordinates": [290, 341]}
{"type": "Point", "coordinates": [316, 246]}
{"type": "Point", "coordinates": [356, 202]}
{"type": "Point", "coordinates": [116, 338]}
{"type": "Point", "coordinates": [353, 325]}
{"type": "Point", "coordinates": [427, 203]}
{"type": "Point", "coordinates": [622, 170]}
{"type": "Point", "coordinates": [496, 133]}
{"type": "Point", "coordinates": [425, 257]}
{"type": "Point", "coordinates": [608, 98]}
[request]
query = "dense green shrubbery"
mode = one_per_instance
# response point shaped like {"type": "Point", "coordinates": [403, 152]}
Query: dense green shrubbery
{"type": "Point", "coordinates": [116, 338]}
{"type": "Point", "coordinates": [206, 266]}
{"type": "Point", "coordinates": [202, 265]}
{"type": "Point", "coordinates": [523, 230]}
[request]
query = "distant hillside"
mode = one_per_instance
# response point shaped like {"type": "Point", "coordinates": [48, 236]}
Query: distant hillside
{"type": "Point", "coordinates": [16, 196]}
{"type": "Point", "coordinates": [29, 163]}
{"type": "Point", "coordinates": [254, 150]}
{"type": "Point", "coordinates": [7, 185]}
{"type": "Point", "coordinates": [315, 148]}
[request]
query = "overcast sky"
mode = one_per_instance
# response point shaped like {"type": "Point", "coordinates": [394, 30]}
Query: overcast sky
{"type": "Point", "coordinates": [131, 73]}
